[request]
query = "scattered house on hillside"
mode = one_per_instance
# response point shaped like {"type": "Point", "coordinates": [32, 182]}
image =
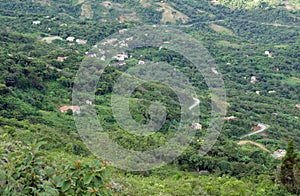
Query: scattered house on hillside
{"type": "Point", "coordinates": [269, 54]}
{"type": "Point", "coordinates": [70, 39]}
{"type": "Point", "coordinates": [297, 105]}
{"type": "Point", "coordinates": [214, 70]}
{"type": "Point", "coordinates": [253, 79]}
{"type": "Point", "coordinates": [91, 54]}
{"type": "Point", "coordinates": [75, 109]}
{"type": "Point", "coordinates": [121, 19]}
{"type": "Point", "coordinates": [123, 30]}
{"type": "Point", "coordinates": [196, 126]}
{"type": "Point", "coordinates": [111, 41]}
{"type": "Point", "coordinates": [121, 57]}
{"type": "Point", "coordinates": [102, 20]}
{"type": "Point", "coordinates": [279, 154]}
{"type": "Point", "coordinates": [37, 22]}
{"type": "Point", "coordinates": [123, 43]}
{"type": "Point", "coordinates": [63, 25]}
{"type": "Point", "coordinates": [62, 59]}
{"type": "Point", "coordinates": [230, 118]}
{"type": "Point", "coordinates": [88, 102]}
{"type": "Point", "coordinates": [257, 92]}
{"type": "Point", "coordinates": [103, 58]}
{"type": "Point", "coordinates": [141, 62]}
{"type": "Point", "coordinates": [81, 41]}
{"type": "Point", "coordinates": [271, 92]}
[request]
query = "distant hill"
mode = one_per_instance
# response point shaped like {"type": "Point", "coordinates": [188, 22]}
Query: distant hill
{"type": "Point", "coordinates": [248, 4]}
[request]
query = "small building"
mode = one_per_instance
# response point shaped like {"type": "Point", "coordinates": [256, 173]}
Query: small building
{"type": "Point", "coordinates": [297, 105]}
{"type": "Point", "coordinates": [75, 109]}
{"type": "Point", "coordinates": [121, 57]}
{"type": "Point", "coordinates": [253, 79]}
{"type": "Point", "coordinates": [62, 59]}
{"type": "Point", "coordinates": [196, 126]}
{"type": "Point", "coordinates": [91, 54]}
{"type": "Point", "coordinates": [269, 54]}
{"type": "Point", "coordinates": [141, 62]}
{"type": "Point", "coordinates": [121, 19]}
{"type": "Point", "coordinates": [214, 70]}
{"type": "Point", "coordinates": [279, 154]}
{"type": "Point", "coordinates": [88, 102]}
{"type": "Point", "coordinates": [70, 39]}
{"type": "Point", "coordinates": [123, 43]}
{"type": "Point", "coordinates": [230, 118]}
{"type": "Point", "coordinates": [103, 58]}
{"type": "Point", "coordinates": [81, 41]}
{"type": "Point", "coordinates": [123, 30]}
{"type": "Point", "coordinates": [37, 22]}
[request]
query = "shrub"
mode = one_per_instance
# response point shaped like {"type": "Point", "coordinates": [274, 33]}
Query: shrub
{"type": "Point", "coordinates": [25, 171]}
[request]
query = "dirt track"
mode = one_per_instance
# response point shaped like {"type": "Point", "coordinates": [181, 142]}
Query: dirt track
{"type": "Point", "coordinates": [244, 142]}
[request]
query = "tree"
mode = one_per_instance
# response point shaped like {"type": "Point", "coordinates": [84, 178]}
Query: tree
{"type": "Point", "coordinates": [289, 167]}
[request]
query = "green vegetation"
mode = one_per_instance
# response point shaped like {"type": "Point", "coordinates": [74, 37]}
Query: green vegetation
{"type": "Point", "coordinates": [290, 170]}
{"type": "Point", "coordinates": [35, 83]}
{"type": "Point", "coordinates": [26, 171]}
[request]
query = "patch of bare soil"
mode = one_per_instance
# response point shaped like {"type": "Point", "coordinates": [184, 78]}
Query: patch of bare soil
{"type": "Point", "coordinates": [86, 11]}
{"type": "Point", "coordinates": [244, 142]}
{"type": "Point", "coordinates": [170, 14]}
{"type": "Point", "coordinates": [291, 6]}
{"type": "Point", "coordinates": [145, 3]}
{"type": "Point", "coordinates": [219, 28]}
{"type": "Point", "coordinates": [43, 2]}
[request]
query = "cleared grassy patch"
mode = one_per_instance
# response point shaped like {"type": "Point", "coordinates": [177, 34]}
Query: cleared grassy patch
{"type": "Point", "coordinates": [228, 44]}
{"type": "Point", "coordinates": [51, 39]}
{"type": "Point", "coordinates": [170, 14]}
{"type": "Point", "coordinates": [221, 29]}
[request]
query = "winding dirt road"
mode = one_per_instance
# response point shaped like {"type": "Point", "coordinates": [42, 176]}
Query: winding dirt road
{"type": "Point", "coordinates": [262, 127]}
{"type": "Point", "coordinates": [197, 101]}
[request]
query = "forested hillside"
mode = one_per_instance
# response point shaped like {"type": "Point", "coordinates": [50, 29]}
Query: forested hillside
{"type": "Point", "coordinates": [256, 48]}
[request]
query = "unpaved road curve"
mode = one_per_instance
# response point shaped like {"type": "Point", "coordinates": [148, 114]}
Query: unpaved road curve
{"type": "Point", "coordinates": [262, 127]}
{"type": "Point", "coordinates": [197, 101]}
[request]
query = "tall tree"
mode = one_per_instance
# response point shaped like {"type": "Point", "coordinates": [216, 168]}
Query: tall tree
{"type": "Point", "coordinates": [290, 165]}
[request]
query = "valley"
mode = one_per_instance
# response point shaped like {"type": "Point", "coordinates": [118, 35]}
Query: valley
{"type": "Point", "coordinates": [254, 46]}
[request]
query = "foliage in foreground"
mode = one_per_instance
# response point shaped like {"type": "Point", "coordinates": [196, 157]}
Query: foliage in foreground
{"type": "Point", "coordinates": [25, 171]}
{"type": "Point", "coordinates": [290, 170]}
